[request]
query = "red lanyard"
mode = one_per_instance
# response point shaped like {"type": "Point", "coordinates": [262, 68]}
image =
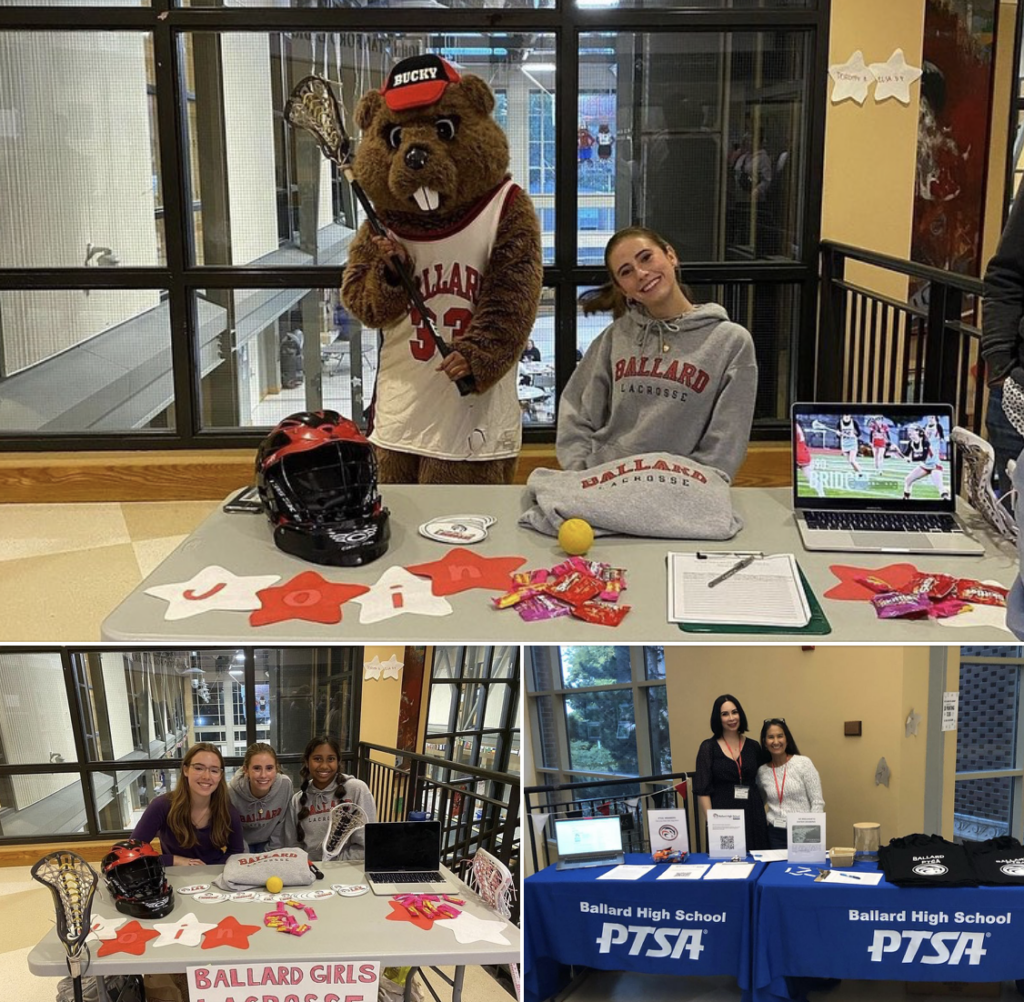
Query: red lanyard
{"type": "Point", "coordinates": [736, 758]}
{"type": "Point", "coordinates": [781, 793]}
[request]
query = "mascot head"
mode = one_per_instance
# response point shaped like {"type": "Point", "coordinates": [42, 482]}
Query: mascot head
{"type": "Point", "coordinates": [429, 148]}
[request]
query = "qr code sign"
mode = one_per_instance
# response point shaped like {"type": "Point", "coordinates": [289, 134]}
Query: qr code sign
{"type": "Point", "coordinates": [728, 841]}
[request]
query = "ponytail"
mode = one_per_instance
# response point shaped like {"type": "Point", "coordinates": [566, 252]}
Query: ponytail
{"type": "Point", "coordinates": [607, 298]}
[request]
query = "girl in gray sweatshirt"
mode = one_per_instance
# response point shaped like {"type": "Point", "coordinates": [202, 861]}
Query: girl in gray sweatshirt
{"type": "Point", "coordinates": [261, 795]}
{"type": "Point", "coordinates": [665, 376]}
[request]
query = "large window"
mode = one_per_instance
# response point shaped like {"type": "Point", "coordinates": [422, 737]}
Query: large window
{"type": "Point", "coordinates": [88, 738]}
{"type": "Point", "coordinates": [597, 712]}
{"type": "Point", "coordinates": [170, 273]}
{"type": "Point", "coordinates": [990, 744]}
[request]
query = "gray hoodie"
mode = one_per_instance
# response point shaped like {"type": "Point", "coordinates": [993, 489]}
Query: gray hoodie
{"type": "Point", "coordinates": [262, 817]}
{"type": "Point", "coordinates": [684, 386]}
{"type": "Point", "coordinates": [320, 802]}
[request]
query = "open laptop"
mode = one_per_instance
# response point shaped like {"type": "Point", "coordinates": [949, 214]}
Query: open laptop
{"type": "Point", "coordinates": [588, 842]}
{"type": "Point", "coordinates": [876, 478]}
{"type": "Point", "coordinates": [404, 857]}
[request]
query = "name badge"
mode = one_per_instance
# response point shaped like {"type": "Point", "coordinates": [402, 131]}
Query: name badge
{"type": "Point", "coordinates": [741, 792]}
{"type": "Point", "coordinates": [780, 824]}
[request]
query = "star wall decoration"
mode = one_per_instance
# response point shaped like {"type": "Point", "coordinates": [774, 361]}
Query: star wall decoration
{"type": "Point", "coordinates": [187, 931]}
{"type": "Point", "coordinates": [851, 80]}
{"type": "Point", "coordinates": [894, 77]}
{"type": "Point", "coordinates": [212, 588]}
{"type": "Point", "coordinates": [912, 723]}
{"type": "Point", "coordinates": [375, 669]}
{"type": "Point", "coordinates": [461, 569]}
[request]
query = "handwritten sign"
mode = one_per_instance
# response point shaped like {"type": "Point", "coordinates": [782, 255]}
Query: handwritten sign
{"type": "Point", "coordinates": [351, 981]}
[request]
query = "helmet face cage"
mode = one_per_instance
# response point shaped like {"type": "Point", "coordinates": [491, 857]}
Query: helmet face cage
{"type": "Point", "coordinates": [317, 480]}
{"type": "Point", "coordinates": [136, 880]}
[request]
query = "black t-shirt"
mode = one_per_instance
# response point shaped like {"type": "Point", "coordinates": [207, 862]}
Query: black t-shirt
{"type": "Point", "coordinates": [926, 861]}
{"type": "Point", "coordinates": [998, 860]}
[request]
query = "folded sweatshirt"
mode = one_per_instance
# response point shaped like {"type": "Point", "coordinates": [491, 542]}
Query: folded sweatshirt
{"type": "Point", "coordinates": [685, 386]}
{"type": "Point", "coordinates": [153, 824]}
{"type": "Point", "coordinates": [262, 817]}
{"type": "Point", "coordinates": [314, 827]}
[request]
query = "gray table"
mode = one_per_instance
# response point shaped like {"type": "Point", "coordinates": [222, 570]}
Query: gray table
{"type": "Point", "coordinates": [345, 929]}
{"type": "Point", "coordinates": [244, 545]}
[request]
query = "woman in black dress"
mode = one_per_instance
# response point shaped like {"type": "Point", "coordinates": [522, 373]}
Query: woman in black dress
{"type": "Point", "coordinates": [727, 770]}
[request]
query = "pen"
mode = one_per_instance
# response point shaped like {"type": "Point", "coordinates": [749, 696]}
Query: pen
{"type": "Point", "coordinates": [735, 569]}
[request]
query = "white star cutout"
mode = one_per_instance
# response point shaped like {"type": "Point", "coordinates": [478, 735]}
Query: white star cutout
{"type": "Point", "coordinates": [851, 79]}
{"type": "Point", "coordinates": [212, 588]}
{"type": "Point", "coordinates": [912, 723]}
{"type": "Point", "coordinates": [372, 669]}
{"type": "Point", "coordinates": [397, 592]}
{"type": "Point", "coordinates": [105, 928]}
{"type": "Point", "coordinates": [187, 931]}
{"type": "Point", "coordinates": [979, 615]}
{"type": "Point", "coordinates": [894, 78]}
{"type": "Point", "coordinates": [391, 667]}
{"type": "Point", "coordinates": [470, 929]}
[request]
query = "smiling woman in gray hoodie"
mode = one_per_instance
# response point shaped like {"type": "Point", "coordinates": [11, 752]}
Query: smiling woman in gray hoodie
{"type": "Point", "coordinates": [261, 795]}
{"type": "Point", "coordinates": [665, 376]}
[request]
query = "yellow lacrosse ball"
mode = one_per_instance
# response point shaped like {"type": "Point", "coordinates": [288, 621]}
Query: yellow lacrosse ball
{"type": "Point", "coordinates": [575, 536]}
{"type": "Point", "coordinates": [274, 884]}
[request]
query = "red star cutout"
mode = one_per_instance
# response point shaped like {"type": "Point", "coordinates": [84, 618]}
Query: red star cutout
{"type": "Point", "coordinates": [131, 938]}
{"type": "Point", "coordinates": [401, 914]}
{"type": "Point", "coordinates": [307, 596]}
{"type": "Point", "coordinates": [461, 569]}
{"type": "Point", "coordinates": [849, 590]}
{"type": "Point", "coordinates": [229, 932]}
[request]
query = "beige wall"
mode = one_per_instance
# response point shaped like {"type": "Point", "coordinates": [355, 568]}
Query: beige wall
{"type": "Point", "coordinates": [382, 699]}
{"type": "Point", "coordinates": [816, 691]}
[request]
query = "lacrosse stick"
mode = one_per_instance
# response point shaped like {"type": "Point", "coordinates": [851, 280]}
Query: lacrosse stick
{"type": "Point", "coordinates": [346, 820]}
{"type": "Point", "coordinates": [314, 108]}
{"type": "Point", "coordinates": [979, 461]}
{"type": "Point", "coordinates": [72, 883]}
{"type": "Point", "coordinates": [491, 879]}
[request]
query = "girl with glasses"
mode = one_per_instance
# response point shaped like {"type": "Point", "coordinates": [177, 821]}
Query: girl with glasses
{"type": "Point", "coordinates": [788, 780]}
{"type": "Point", "coordinates": [727, 769]}
{"type": "Point", "coordinates": [196, 823]}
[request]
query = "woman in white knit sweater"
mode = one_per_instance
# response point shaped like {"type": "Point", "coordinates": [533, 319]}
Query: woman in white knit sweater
{"type": "Point", "coordinates": [788, 780]}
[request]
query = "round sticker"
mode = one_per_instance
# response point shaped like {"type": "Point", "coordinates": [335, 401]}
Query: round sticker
{"type": "Point", "coordinates": [193, 889]}
{"type": "Point", "coordinates": [211, 897]}
{"type": "Point", "coordinates": [245, 896]}
{"type": "Point", "coordinates": [446, 530]}
{"type": "Point", "coordinates": [349, 890]}
{"type": "Point", "coordinates": [317, 895]}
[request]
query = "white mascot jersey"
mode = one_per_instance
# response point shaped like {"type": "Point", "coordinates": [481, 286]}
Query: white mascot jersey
{"type": "Point", "coordinates": [416, 408]}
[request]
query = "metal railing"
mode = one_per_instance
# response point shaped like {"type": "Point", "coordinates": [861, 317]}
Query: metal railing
{"type": "Point", "coordinates": [477, 808]}
{"type": "Point", "coordinates": [923, 346]}
{"type": "Point", "coordinates": [629, 802]}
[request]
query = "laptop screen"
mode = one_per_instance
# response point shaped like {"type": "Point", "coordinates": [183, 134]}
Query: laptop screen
{"type": "Point", "coordinates": [864, 456]}
{"type": "Point", "coordinates": [402, 845]}
{"type": "Point", "coordinates": [586, 836]}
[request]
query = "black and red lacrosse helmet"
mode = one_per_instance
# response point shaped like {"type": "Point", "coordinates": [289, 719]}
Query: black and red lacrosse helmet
{"type": "Point", "coordinates": [317, 479]}
{"type": "Point", "coordinates": [136, 880]}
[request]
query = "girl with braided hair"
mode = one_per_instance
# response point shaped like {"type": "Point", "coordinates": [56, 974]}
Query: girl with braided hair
{"type": "Point", "coordinates": [324, 787]}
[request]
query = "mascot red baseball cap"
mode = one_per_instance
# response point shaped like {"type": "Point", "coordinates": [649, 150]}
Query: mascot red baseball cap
{"type": "Point", "coordinates": [418, 81]}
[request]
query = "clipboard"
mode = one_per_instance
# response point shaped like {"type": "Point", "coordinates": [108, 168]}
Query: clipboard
{"type": "Point", "coordinates": [817, 626]}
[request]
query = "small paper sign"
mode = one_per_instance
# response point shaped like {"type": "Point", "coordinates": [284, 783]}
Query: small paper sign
{"type": "Point", "coordinates": [668, 830]}
{"type": "Point", "coordinates": [351, 981]}
{"type": "Point", "coordinates": [727, 834]}
{"type": "Point", "coordinates": [806, 836]}
{"type": "Point", "coordinates": [950, 710]}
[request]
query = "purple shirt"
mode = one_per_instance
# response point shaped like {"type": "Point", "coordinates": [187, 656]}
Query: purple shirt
{"type": "Point", "coordinates": [154, 824]}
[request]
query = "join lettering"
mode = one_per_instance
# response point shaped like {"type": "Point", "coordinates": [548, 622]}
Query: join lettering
{"type": "Point", "coordinates": [686, 374]}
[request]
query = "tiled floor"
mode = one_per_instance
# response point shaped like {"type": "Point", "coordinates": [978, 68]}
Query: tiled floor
{"type": "Point", "coordinates": [64, 567]}
{"type": "Point", "coordinates": [28, 910]}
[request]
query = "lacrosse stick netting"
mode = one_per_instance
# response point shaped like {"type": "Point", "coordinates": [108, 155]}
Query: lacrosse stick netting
{"type": "Point", "coordinates": [72, 882]}
{"type": "Point", "coordinates": [491, 879]}
{"type": "Point", "coordinates": [979, 462]}
{"type": "Point", "coordinates": [346, 820]}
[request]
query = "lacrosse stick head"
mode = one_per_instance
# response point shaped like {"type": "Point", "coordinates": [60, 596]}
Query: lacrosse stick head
{"type": "Point", "coordinates": [979, 462]}
{"type": "Point", "coordinates": [491, 879]}
{"type": "Point", "coordinates": [72, 882]}
{"type": "Point", "coordinates": [314, 108]}
{"type": "Point", "coordinates": [346, 819]}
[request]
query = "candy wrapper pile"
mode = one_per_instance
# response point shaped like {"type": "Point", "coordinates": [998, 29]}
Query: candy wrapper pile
{"type": "Point", "coordinates": [280, 920]}
{"type": "Point", "coordinates": [586, 589]}
{"type": "Point", "coordinates": [431, 906]}
{"type": "Point", "coordinates": [931, 596]}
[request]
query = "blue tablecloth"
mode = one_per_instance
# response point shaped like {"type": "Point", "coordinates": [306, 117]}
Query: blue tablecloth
{"type": "Point", "coordinates": [698, 927]}
{"type": "Point", "coordinates": [815, 930]}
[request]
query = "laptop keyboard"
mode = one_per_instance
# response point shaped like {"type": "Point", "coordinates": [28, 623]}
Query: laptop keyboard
{"type": "Point", "coordinates": [881, 521]}
{"type": "Point", "coordinates": [406, 877]}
